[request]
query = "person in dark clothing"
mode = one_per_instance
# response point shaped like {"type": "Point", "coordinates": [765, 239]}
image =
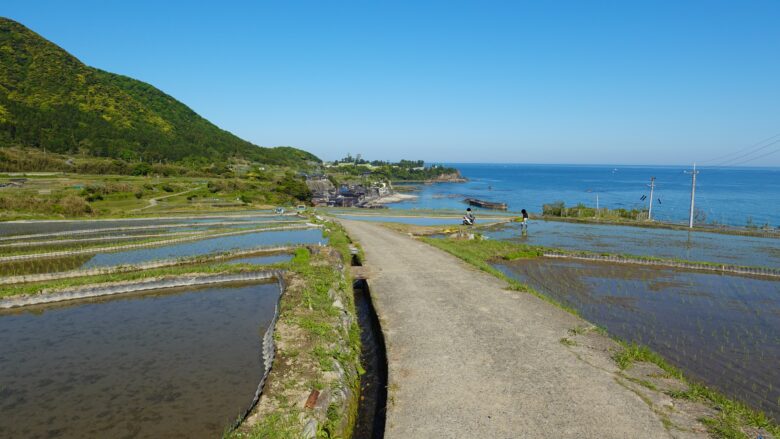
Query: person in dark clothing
{"type": "Point", "coordinates": [469, 219]}
{"type": "Point", "coordinates": [524, 224]}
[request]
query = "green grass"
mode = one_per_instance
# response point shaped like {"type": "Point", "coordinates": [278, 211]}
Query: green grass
{"type": "Point", "coordinates": [278, 425]}
{"type": "Point", "coordinates": [632, 353]}
{"type": "Point", "coordinates": [732, 415]}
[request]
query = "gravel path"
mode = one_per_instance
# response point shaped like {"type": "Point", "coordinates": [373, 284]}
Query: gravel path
{"type": "Point", "coordinates": [470, 359]}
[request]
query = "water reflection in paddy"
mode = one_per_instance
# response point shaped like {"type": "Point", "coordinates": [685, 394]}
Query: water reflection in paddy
{"type": "Point", "coordinates": [695, 246]}
{"type": "Point", "coordinates": [187, 249]}
{"type": "Point", "coordinates": [207, 246]}
{"type": "Point", "coordinates": [722, 330]}
{"type": "Point", "coordinates": [8, 229]}
{"type": "Point", "coordinates": [171, 363]}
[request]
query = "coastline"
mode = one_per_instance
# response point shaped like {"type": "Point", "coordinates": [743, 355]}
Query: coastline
{"type": "Point", "coordinates": [394, 198]}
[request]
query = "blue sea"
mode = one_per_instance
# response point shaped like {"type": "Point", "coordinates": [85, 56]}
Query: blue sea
{"type": "Point", "coordinates": [733, 196]}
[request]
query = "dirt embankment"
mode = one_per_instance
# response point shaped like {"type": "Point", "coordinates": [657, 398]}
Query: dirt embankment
{"type": "Point", "coordinates": [452, 177]}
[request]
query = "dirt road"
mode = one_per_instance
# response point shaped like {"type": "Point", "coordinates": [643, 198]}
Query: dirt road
{"type": "Point", "coordinates": [470, 359]}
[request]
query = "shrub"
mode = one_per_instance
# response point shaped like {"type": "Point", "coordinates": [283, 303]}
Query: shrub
{"type": "Point", "coordinates": [294, 187]}
{"type": "Point", "coordinates": [142, 169]}
{"type": "Point", "coordinates": [554, 209]}
{"type": "Point", "coordinates": [74, 205]}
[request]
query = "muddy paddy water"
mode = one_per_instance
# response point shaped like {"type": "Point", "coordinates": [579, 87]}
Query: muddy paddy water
{"type": "Point", "coordinates": [721, 330]}
{"type": "Point", "coordinates": [693, 246]}
{"type": "Point", "coordinates": [207, 246]}
{"type": "Point", "coordinates": [169, 363]}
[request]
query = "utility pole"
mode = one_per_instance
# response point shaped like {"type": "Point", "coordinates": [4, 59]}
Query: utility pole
{"type": "Point", "coordinates": [597, 204]}
{"type": "Point", "coordinates": [693, 193]}
{"type": "Point", "coordinates": [650, 210]}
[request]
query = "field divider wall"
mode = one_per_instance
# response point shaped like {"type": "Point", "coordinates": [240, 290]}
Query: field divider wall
{"type": "Point", "coordinates": [161, 263]}
{"type": "Point", "coordinates": [718, 268]}
{"type": "Point", "coordinates": [23, 238]}
{"type": "Point", "coordinates": [148, 218]}
{"type": "Point", "coordinates": [66, 253]}
{"type": "Point", "coordinates": [135, 286]}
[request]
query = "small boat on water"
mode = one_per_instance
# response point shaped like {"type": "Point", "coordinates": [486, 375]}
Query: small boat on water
{"type": "Point", "coordinates": [486, 204]}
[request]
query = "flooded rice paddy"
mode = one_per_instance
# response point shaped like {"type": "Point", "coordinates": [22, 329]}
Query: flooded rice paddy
{"type": "Point", "coordinates": [721, 330]}
{"type": "Point", "coordinates": [46, 265]}
{"type": "Point", "coordinates": [169, 363]}
{"type": "Point", "coordinates": [22, 228]}
{"type": "Point", "coordinates": [202, 247]}
{"type": "Point", "coordinates": [693, 246]}
{"type": "Point", "coordinates": [206, 246]}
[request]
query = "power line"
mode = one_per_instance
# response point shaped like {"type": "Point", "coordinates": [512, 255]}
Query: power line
{"type": "Point", "coordinates": [756, 158]}
{"type": "Point", "coordinates": [728, 156]}
{"type": "Point", "coordinates": [733, 160]}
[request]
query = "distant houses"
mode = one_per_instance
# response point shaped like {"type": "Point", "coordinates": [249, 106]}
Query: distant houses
{"type": "Point", "coordinates": [324, 193]}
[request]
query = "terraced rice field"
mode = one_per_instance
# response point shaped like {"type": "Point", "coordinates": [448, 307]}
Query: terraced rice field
{"type": "Point", "coordinates": [723, 330]}
{"type": "Point", "coordinates": [694, 246]}
{"type": "Point", "coordinates": [93, 248]}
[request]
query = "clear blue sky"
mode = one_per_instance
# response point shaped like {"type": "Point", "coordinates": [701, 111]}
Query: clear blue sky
{"type": "Point", "coordinates": [539, 82]}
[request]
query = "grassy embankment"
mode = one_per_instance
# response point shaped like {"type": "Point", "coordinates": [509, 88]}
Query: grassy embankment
{"type": "Point", "coordinates": [733, 418]}
{"type": "Point", "coordinates": [318, 349]}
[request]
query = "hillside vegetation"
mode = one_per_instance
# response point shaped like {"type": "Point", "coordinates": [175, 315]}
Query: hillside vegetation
{"type": "Point", "coordinates": [51, 101]}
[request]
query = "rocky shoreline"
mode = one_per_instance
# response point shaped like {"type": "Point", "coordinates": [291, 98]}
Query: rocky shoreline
{"type": "Point", "coordinates": [452, 177]}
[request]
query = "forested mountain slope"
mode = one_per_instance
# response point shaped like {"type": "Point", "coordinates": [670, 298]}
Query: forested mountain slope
{"type": "Point", "coordinates": [49, 99]}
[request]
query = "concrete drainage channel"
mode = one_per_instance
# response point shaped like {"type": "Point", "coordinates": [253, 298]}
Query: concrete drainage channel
{"type": "Point", "coordinates": [370, 423]}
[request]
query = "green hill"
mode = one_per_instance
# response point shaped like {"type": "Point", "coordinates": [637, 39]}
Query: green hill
{"type": "Point", "coordinates": [50, 100]}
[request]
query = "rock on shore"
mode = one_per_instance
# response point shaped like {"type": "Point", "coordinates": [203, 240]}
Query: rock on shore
{"type": "Point", "coordinates": [452, 177]}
